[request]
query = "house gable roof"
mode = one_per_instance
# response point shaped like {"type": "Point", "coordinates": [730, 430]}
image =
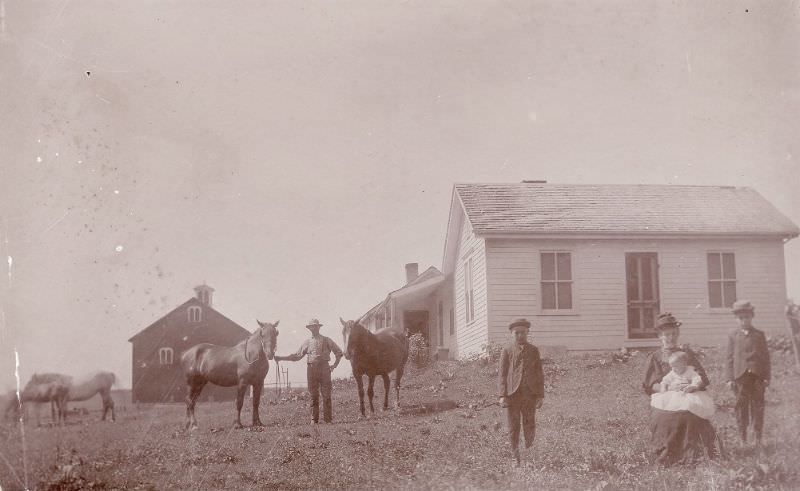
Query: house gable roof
{"type": "Point", "coordinates": [540, 208]}
{"type": "Point", "coordinates": [430, 273]}
{"type": "Point", "coordinates": [191, 301]}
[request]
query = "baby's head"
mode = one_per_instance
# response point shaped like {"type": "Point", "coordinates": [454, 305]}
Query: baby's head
{"type": "Point", "coordinates": [678, 362]}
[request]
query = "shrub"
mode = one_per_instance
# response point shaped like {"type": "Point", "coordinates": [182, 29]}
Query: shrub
{"type": "Point", "coordinates": [418, 350]}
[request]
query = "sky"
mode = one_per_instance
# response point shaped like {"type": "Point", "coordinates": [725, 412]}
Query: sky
{"type": "Point", "coordinates": [295, 155]}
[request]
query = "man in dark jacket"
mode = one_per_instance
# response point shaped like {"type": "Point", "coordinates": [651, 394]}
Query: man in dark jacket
{"type": "Point", "coordinates": [521, 385]}
{"type": "Point", "coordinates": [748, 370]}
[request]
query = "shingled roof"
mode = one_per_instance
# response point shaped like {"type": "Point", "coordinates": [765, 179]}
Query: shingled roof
{"type": "Point", "coordinates": [621, 209]}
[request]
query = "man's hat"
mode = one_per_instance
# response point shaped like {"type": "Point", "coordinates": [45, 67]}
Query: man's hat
{"type": "Point", "coordinates": [521, 322]}
{"type": "Point", "coordinates": [667, 321]}
{"type": "Point", "coordinates": [313, 323]}
{"type": "Point", "coordinates": [742, 306]}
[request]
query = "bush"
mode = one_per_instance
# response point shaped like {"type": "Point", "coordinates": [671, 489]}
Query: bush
{"type": "Point", "coordinates": [418, 350]}
{"type": "Point", "coordinates": [779, 344]}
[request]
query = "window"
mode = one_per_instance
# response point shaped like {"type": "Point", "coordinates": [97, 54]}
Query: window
{"type": "Point", "coordinates": [721, 279]}
{"type": "Point", "coordinates": [165, 356]}
{"type": "Point", "coordinates": [469, 293]}
{"type": "Point", "coordinates": [452, 323]}
{"type": "Point", "coordinates": [379, 322]}
{"type": "Point", "coordinates": [194, 314]}
{"type": "Point", "coordinates": [440, 319]}
{"type": "Point", "coordinates": [556, 280]}
{"type": "Point", "coordinates": [388, 315]}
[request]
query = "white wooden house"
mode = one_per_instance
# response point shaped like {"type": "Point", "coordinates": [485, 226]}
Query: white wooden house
{"type": "Point", "coordinates": [592, 266]}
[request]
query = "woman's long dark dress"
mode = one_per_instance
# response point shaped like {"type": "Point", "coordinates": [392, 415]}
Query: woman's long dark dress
{"type": "Point", "coordinates": [677, 436]}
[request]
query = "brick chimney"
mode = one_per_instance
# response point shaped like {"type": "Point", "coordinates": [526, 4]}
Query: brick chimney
{"type": "Point", "coordinates": [412, 271]}
{"type": "Point", "coordinates": [204, 294]}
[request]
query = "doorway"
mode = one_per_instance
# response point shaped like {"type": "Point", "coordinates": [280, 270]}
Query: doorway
{"type": "Point", "coordinates": [641, 271]}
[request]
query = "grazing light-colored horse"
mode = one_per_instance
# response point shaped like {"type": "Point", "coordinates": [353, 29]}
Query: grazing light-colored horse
{"type": "Point", "coordinates": [52, 392]}
{"type": "Point", "coordinates": [375, 354]}
{"type": "Point", "coordinates": [83, 388]}
{"type": "Point", "coordinates": [241, 365]}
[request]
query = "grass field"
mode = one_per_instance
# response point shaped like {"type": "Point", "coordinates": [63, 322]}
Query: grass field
{"type": "Point", "coordinates": [591, 434]}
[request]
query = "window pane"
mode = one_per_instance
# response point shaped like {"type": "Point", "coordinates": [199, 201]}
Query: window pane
{"type": "Point", "coordinates": [632, 267]}
{"type": "Point", "coordinates": [714, 270]}
{"type": "Point", "coordinates": [564, 266]}
{"type": "Point", "coordinates": [548, 295]}
{"type": "Point", "coordinates": [647, 278]}
{"type": "Point", "coordinates": [452, 323]}
{"type": "Point", "coordinates": [714, 294]}
{"type": "Point", "coordinates": [548, 266]}
{"type": "Point", "coordinates": [728, 266]}
{"type": "Point", "coordinates": [564, 295]}
{"type": "Point", "coordinates": [649, 319]}
{"type": "Point", "coordinates": [729, 289]}
{"type": "Point", "coordinates": [633, 320]}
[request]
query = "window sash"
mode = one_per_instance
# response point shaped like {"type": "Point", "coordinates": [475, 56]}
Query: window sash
{"type": "Point", "coordinates": [721, 279]}
{"type": "Point", "coordinates": [556, 281]}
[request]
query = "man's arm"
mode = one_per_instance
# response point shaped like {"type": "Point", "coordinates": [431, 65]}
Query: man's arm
{"type": "Point", "coordinates": [538, 373]}
{"type": "Point", "coordinates": [337, 352]}
{"type": "Point", "coordinates": [296, 355]}
{"type": "Point", "coordinates": [504, 364]}
{"type": "Point", "coordinates": [729, 359]}
{"type": "Point", "coordinates": [767, 363]}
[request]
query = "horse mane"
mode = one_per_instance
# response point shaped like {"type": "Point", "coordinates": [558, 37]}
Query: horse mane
{"type": "Point", "coordinates": [369, 338]}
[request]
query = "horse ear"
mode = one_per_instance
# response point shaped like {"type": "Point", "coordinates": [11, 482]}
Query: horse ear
{"type": "Point", "coordinates": [276, 323]}
{"type": "Point", "coordinates": [259, 322]}
{"type": "Point", "coordinates": [342, 321]}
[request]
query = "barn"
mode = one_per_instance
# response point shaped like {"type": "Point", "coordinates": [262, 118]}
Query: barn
{"type": "Point", "coordinates": [593, 265]}
{"type": "Point", "coordinates": [156, 349]}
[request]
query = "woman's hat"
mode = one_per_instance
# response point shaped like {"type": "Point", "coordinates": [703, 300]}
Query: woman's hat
{"type": "Point", "coordinates": [742, 306]}
{"type": "Point", "coordinates": [521, 322]}
{"type": "Point", "coordinates": [313, 323]}
{"type": "Point", "coordinates": [667, 321]}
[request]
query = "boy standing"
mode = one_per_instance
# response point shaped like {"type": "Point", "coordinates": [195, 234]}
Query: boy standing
{"type": "Point", "coordinates": [748, 370]}
{"type": "Point", "coordinates": [521, 385]}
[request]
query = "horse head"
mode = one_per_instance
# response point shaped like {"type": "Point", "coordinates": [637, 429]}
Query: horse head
{"type": "Point", "coordinates": [350, 332]}
{"type": "Point", "coordinates": [267, 338]}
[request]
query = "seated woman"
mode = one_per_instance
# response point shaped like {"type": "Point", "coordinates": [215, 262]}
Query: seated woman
{"type": "Point", "coordinates": [680, 435]}
{"type": "Point", "coordinates": [678, 390]}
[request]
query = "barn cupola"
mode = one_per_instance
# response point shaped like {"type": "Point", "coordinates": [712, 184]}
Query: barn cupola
{"type": "Point", "coordinates": [204, 293]}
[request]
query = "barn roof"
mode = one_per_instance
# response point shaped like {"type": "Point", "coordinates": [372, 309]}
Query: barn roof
{"type": "Point", "coordinates": [191, 301]}
{"type": "Point", "coordinates": [620, 209]}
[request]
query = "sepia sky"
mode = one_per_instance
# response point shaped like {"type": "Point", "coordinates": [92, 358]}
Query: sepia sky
{"type": "Point", "coordinates": [295, 155]}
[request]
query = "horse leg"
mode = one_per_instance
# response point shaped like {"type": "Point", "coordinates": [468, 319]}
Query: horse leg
{"type": "Point", "coordinates": [398, 375]}
{"type": "Point", "coordinates": [371, 392]}
{"type": "Point", "coordinates": [360, 383]}
{"type": "Point", "coordinates": [386, 386]}
{"type": "Point", "coordinates": [108, 404]}
{"type": "Point", "coordinates": [195, 387]}
{"type": "Point", "coordinates": [256, 401]}
{"type": "Point", "coordinates": [240, 391]}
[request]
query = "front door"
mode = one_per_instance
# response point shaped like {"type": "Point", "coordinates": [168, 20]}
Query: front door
{"type": "Point", "coordinates": [416, 321]}
{"type": "Point", "coordinates": [641, 270]}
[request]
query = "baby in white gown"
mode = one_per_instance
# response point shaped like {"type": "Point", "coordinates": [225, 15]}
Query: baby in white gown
{"type": "Point", "coordinates": [678, 391]}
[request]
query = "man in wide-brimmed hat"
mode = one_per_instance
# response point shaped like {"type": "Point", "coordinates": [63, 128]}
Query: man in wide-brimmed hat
{"type": "Point", "coordinates": [318, 350]}
{"type": "Point", "coordinates": [748, 370]}
{"type": "Point", "coordinates": [521, 385]}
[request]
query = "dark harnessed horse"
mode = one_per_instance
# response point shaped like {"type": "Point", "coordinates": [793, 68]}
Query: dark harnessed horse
{"type": "Point", "coordinates": [375, 354]}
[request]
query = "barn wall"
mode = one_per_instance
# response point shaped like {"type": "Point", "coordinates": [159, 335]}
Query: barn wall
{"type": "Point", "coordinates": [599, 290]}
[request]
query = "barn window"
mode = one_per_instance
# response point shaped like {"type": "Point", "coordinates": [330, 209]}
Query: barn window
{"type": "Point", "coordinates": [388, 315]}
{"type": "Point", "coordinates": [194, 314]}
{"type": "Point", "coordinates": [440, 319]}
{"type": "Point", "coordinates": [379, 322]}
{"type": "Point", "coordinates": [165, 356]}
{"type": "Point", "coordinates": [469, 292]}
{"type": "Point", "coordinates": [556, 280]}
{"type": "Point", "coordinates": [721, 279]}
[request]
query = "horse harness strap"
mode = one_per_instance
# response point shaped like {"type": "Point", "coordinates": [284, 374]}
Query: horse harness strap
{"type": "Point", "coordinates": [259, 353]}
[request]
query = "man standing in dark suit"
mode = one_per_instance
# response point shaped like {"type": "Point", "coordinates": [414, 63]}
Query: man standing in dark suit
{"type": "Point", "coordinates": [521, 385]}
{"type": "Point", "coordinates": [748, 370]}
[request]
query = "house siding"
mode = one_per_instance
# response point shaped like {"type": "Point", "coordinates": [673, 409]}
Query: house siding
{"type": "Point", "coordinates": [472, 336]}
{"type": "Point", "coordinates": [598, 320]}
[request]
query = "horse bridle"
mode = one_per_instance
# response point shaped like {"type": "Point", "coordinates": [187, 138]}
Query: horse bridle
{"type": "Point", "coordinates": [263, 349]}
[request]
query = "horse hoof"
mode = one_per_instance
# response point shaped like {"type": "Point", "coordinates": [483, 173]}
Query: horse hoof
{"type": "Point", "coordinates": [258, 424]}
{"type": "Point", "coordinates": [237, 426]}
